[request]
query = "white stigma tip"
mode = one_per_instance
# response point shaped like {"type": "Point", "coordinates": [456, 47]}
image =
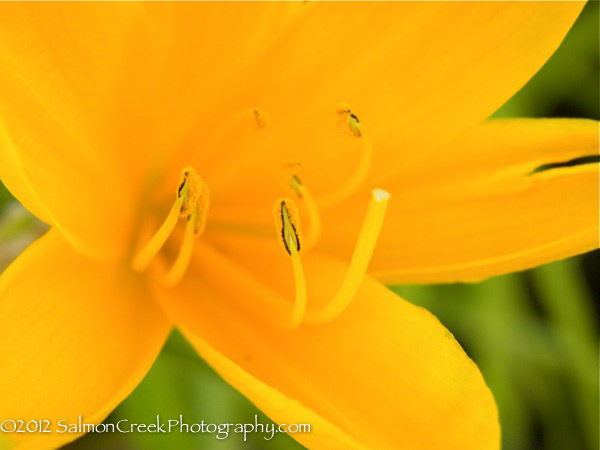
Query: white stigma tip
{"type": "Point", "coordinates": [380, 195]}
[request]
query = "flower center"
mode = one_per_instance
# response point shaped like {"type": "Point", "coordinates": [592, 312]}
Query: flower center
{"type": "Point", "coordinates": [191, 203]}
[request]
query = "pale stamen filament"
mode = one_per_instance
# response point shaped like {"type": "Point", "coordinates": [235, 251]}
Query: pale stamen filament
{"type": "Point", "coordinates": [360, 259]}
{"type": "Point", "coordinates": [175, 274]}
{"type": "Point", "coordinates": [145, 256]}
{"type": "Point", "coordinates": [350, 124]}
{"type": "Point", "coordinates": [239, 122]}
{"type": "Point", "coordinates": [191, 203]}
{"type": "Point", "coordinates": [314, 218]}
{"type": "Point", "coordinates": [300, 295]}
{"type": "Point", "coordinates": [288, 228]}
{"type": "Point", "coordinates": [247, 126]}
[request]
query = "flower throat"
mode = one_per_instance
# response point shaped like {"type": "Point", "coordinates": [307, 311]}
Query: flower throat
{"type": "Point", "coordinates": [192, 202]}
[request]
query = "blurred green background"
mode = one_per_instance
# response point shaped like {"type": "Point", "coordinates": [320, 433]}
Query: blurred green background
{"type": "Point", "coordinates": [534, 334]}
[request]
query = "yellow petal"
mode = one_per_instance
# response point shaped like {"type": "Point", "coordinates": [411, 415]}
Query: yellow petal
{"type": "Point", "coordinates": [76, 337]}
{"type": "Point", "coordinates": [416, 74]}
{"type": "Point", "coordinates": [92, 94]}
{"type": "Point", "coordinates": [384, 374]}
{"type": "Point", "coordinates": [476, 210]}
{"type": "Point", "coordinates": [55, 154]}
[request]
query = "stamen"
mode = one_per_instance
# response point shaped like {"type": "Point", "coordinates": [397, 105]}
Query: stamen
{"type": "Point", "coordinates": [360, 259]}
{"type": "Point", "coordinates": [234, 125]}
{"type": "Point", "coordinates": [145, 256]}
{"type": "Point", "coordinates": [175, 274]}
{"type": "Point", "coordinates": [239, 133]}
{"type": "Point", "coordinates": [195, 189]}
{"type": "Point", "coordinates": [287, 226]}
{"type": "Point", "coordinates": [347, 120]}
{"type": "Point", "coordinates": [191, 203]}
{"type": "Point", "coordinates": [201, 210]}
{"type": "Point", "coordinates": [303, 194]}
{"type": "Point", "coordinates": [349, 123]}
{"type": "Point", "coordinates": [262, 119]}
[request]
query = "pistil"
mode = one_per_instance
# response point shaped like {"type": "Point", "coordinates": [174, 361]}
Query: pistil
{"type": "Point", "coordinates": [361, 257]}
{"type": "Point", "coordinates": [288, 228]}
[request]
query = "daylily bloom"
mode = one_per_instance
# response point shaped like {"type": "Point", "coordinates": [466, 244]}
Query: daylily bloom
{"type": "Point", "coordinates": [155, 140]}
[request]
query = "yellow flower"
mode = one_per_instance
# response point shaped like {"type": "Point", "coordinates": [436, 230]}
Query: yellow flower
{"type": "Point", "coordinates": [103, 105]}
